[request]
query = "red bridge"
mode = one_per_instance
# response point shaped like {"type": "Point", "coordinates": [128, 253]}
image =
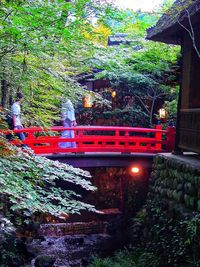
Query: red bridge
{"type": "Point", "coordinates": [129, 151]}
{"type": "Point", "coordinates": [46, 141]}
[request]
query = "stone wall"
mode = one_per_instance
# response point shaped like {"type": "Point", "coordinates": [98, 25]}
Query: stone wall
{"type": "Point", "coordinates": [168, 225]}
{"type": "Point", "coordinates": [175, 181]}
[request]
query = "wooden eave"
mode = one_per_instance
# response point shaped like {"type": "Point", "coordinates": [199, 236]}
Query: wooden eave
{"type": "Point", "coordinates": [169, 31]}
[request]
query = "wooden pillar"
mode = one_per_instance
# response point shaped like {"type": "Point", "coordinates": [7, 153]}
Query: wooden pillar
{"type": "Point", "coordinates": [177, 150]}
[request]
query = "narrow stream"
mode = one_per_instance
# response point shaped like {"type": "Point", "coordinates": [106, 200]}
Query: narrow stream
{"type": "Point", "coordinates": [73, 241]}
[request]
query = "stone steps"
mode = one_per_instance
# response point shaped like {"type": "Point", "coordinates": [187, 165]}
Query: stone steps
{"type": "Point", "coordinates": [75, 228]}
{"type": "Point", "coordinates": [85, 216]}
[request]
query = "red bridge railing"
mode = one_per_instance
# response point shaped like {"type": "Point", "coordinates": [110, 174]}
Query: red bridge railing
{"type": "Point", "coordinates": [98, 139]}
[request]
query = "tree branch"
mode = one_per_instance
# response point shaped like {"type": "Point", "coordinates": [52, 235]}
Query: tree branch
{"type": "Point", "coordinates": [190, 31]}
{"type": "Point", "coordinates": [143, 104]}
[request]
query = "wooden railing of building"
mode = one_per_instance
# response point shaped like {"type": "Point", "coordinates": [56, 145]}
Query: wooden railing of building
{"type": "Point", "coordinates": [189, 131]}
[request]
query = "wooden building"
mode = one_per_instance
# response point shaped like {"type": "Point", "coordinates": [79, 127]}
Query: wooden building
{"type": "Point", "coordinates": [118, 39]}
{"type": "Point", "coordinates": [181, 25]}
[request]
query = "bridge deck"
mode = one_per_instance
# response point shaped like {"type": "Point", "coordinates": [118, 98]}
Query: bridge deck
{"type": "Point", "coordinates": [93, 160]}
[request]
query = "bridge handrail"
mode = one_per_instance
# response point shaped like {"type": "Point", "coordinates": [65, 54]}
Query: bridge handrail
{"type": "Point", "coordinates": [85, 128]}
{"type": "Point", "coordinates": [88, 139]}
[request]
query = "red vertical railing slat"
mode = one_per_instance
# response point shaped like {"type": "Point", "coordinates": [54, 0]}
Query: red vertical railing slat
{"type": "Point", "coordinates": [158, 136]}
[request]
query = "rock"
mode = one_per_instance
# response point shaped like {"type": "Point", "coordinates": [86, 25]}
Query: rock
{"type": "Point", "coordinates": [44, 261]}
{"type": "Point", "coordinates": [70, 250]}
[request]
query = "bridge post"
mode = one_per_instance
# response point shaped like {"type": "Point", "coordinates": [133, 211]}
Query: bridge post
{"type": "Point", "coordinates": [79, 134]}
{"type": "Point", "coordinates": [158, 137]}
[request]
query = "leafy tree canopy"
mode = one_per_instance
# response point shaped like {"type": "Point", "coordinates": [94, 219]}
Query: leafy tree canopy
{"type": "Point", "coordinates": [30, 184]}
{"type": "Point", "coordinates": [43, 46]}
{"type": "Point", "coordinates": [145, 70]}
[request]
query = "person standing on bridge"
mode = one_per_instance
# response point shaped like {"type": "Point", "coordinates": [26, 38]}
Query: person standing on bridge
{"type": "Point", "coordinates": [15, 113]}
{"type": "Point", "coordinates": [68, 120]}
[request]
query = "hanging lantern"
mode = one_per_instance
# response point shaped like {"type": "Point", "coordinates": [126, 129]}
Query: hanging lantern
{"type": "Point", "coordinates": [162, 113]}
{"type": "Point", "coordinates": [87, 101]}
{"type": "Point", "coordinates": [113, 94]}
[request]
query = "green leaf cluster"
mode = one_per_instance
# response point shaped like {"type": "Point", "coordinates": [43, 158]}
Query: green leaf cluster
{"type": "Point", "coordinates": [32, 184]}
{"type": "Point", "coordinates": [145, 70]}
{"type": "Point", "coordinates": [43, 47]}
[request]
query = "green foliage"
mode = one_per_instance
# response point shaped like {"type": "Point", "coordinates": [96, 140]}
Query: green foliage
{"type": "Point", "coordinates": [130, 22]}
{"type": "Point", "coordinates": [145, 70]}
{"type": "Point", "coordinates": [171, 108]}
{"type": "Point", "coordinates": [43, 46]}
{"type": "Point", "coordinates": [128, 258]}
{"type": "Point", "coordinates": [31, 184]}
{"type": "Point", "coordinates": [166, 4]}
{"type": "Point", "coordinates": [171, 104]}
{"type": "Point", "coordinates": [130, 116]}
{"type": "Point", "coordinates": [159, 240]}
{"type": "Point", "coordinates": [175, 240]}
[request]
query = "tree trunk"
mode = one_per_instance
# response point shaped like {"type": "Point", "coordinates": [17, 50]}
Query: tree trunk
{"type": "Point", "coordinates": [10, 98]}
{"type": "Point", "coordinates": [4, 92]}
{"type": "Point", "coordinates": [152, 110]}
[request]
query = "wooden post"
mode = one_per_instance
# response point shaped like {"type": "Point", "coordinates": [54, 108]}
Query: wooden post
{"type": "Point", "coordinates": [170, 138]}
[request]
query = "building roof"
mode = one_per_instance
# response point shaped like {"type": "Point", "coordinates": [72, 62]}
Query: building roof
{"type": "Point", "coordinates": [118, 38]}
{"type": "Point", "coordinates": [168, 28]}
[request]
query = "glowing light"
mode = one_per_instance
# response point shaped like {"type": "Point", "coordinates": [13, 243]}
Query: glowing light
{"type": "Point", "coordinates": [162, 113]}
{"type": "Point", "coordinates": [113, 94]}
{"type": "Point", "coordinates": [87, 101]}
{"type": "Point", "coordinates": [135, 170]}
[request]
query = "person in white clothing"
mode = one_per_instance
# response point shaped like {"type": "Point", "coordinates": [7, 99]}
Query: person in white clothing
{"type": "Point", "coordinates": [15, 111]}
{"type": "Point", "coordinates": [68, 120]}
